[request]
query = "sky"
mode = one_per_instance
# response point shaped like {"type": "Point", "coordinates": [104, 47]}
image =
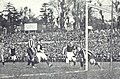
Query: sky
{"type": "Point", "coordinates": [35, 5]}
{"type": "Point", "coordinates": [106, 5]}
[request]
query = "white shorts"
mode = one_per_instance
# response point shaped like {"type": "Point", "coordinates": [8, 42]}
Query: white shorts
{"type": "Point", "coordinates": [41, 55]}
{"type": "Point", "coordinates": [70, 56]}
{"type": "Point", "coordinates": [13, 57]}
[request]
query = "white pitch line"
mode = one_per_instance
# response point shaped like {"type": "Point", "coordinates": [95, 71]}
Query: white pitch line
{"type": "Point", "coordinates": [5, 76]}
{"type": "Point", "coordinates": [38, 74]}
{"type": "Point", "coordinates": [48, 74]}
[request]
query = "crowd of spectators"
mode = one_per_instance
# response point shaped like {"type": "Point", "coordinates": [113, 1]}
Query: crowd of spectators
{"type": "Point", "coordinates": [105, 42]}
{"type": "Point", "coordinates": [99, 42]}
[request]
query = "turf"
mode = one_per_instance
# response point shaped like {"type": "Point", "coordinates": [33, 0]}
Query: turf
{"type": "Point", "coordinates": [59, 70]}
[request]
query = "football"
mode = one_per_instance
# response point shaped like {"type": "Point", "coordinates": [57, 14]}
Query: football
{"type": "Point", "coordinates": [92, 61]}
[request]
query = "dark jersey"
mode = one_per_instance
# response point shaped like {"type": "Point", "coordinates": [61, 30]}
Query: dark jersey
{"type": "Point", "coordinates": [29, 51]}
{"type": "Point", "coordinates": [70, 48]}
{"type": "Point", "coordinates": [81, 53]}
{"type": "Point", "coordinates": [12, 52]}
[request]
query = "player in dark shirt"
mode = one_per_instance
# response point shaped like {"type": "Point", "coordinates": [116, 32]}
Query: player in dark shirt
{"type": "Point", "coordinates": [12, 51]}
{"type": "Point", "coordinates": [13, 54]}
{"type": "Point", "coordinates": [81, 55]}
{"type": "Point", "coordinates": [70, 48]}
{"type": "Point", "coordinates": [69, 52]}
{"type": "Point", "coordinates": [41, 54]}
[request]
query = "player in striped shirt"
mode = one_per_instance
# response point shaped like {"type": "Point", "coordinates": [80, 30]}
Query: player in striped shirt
{"type": "Point", "coordinates": [31, 50]}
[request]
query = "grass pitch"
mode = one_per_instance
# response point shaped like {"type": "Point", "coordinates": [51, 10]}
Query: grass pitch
{"type": "Point", "coordinates": [59, 70]}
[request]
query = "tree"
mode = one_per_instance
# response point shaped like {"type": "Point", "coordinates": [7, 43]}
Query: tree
{"type": "Point", "coordinates": [10, 18]}
{"type": "Point", "coordinates": [45, 15]}
{"type": "Point", "coordinates": [117, 9]}
{"type": "Point", "coordinates": [68, 8]}
{"type": "Point", "coordinates": [27, 15]}
{"type": "Point", "coordinates": [101, 12]}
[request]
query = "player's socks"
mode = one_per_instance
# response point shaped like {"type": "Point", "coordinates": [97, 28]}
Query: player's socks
{"type": "Point", "coordinates": [29, 62]}
{"type": "Point", "coordinates": [34, 67]}
{"type": "Point", "coordinates": [50, 65]}
{"type": "Point", "coordinates": [47, 62]}
{"type": "Point", "coordinates": [74, 63]}
{"type": "Point", "coordinates": [3, 63]}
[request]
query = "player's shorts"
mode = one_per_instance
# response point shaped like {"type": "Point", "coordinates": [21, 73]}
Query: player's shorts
{"type": "Point", "coordinates": [70, 57]}
{"type": "Point", "coordinates": [13, 57]}
{"type": "Point", "coordinates": [41, 55]}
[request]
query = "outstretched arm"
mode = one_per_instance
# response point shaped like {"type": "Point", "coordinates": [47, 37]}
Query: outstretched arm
{"type": "Point", "coordinates": [63, 52]}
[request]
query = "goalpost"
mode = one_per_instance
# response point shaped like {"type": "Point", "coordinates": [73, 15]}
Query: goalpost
{"type": "Point", "coordinates": [86, 37]}
{"type": "Point", "coordinates": [87, 27]}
